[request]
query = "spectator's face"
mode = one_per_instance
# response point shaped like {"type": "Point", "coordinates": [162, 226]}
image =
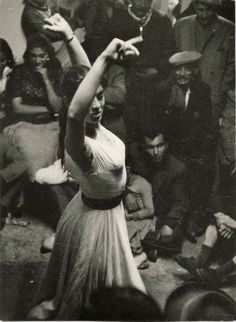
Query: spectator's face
{"type": "Point", "coordinates": [184, 74]}
{"type": "Point", "coordinates": [94, 116]}
{"type": "Point", "coordinates": [3, 62]}
{"type": "Point", "coordinates": [205, 14]}
{"type": "Point", "coordinates": [37, 57]}
{"type": "Point", "coordinates": [156, 148]}
{"type": "Point", "coordinates": [141, 7]}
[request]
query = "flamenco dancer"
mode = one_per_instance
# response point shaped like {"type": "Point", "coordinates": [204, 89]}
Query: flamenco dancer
{"type": "Point", "coordinates": [91, 247]}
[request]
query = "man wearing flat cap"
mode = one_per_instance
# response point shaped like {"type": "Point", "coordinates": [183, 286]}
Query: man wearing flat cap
{"type": "Point", "coordinates": [212, 36]}
{"type": "Point", "coordinates": [184, 105]}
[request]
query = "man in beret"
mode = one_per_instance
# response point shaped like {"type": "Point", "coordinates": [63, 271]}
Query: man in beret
{"type": "Point", "coordinates": [183, 103]}
{"type": "Point", "coordinates": [212, 36]}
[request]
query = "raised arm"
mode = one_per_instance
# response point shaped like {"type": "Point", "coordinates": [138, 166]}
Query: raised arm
{"type": "Point", "coordinates": [59, 25]}
{"type": "Point", "coordinates": [86, 92]}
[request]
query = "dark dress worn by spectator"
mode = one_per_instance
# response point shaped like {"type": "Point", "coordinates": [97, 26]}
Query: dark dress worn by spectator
{"type": "Point", "coordinates": [12, 170]}
{"type": "Point", "coordinates": [213, 37]}
{"type": "Point", "coordinates": [167, 176]}
{"type": "Point", "coordinates": [184, 104]}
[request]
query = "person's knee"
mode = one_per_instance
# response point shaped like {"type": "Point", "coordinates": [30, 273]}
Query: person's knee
{"type": "Point", "coordinates": [211, 235]}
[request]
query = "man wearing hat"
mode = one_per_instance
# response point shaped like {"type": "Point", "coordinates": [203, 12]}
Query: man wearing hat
{"type": "Point", "coordinates": [183, 102]}
{"type": "Point", "coordinates": [194, 302]}
{"type": "Point", "coordinates": [220, 238]}
{"type": "Point", "coordinates": [212, 36]}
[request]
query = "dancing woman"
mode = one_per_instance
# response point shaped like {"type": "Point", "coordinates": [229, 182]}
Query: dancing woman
{"type": "Point", "coordinates": [91, 248]}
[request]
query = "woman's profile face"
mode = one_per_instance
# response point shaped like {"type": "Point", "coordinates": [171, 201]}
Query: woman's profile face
{"type": "Point", "coordinates": [3, 62]}
{"type": "Point", "coordinates": [96, 109]}
{"type": "Point", "coordinates": [37, 57]}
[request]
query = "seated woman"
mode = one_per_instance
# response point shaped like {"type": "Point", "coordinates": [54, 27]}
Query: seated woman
{"type": "Point", "coordinates": [6, 65]}
{"type": "Point", "coordinates": [33, 90]}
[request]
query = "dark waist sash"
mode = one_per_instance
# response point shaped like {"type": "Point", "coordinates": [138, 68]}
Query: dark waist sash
{"type": "Point", "coordinates": [102, 204]}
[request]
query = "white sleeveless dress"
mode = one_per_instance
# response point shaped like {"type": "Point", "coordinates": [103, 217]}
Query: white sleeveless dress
{"type": "Point", "coordinates": [92, 247]}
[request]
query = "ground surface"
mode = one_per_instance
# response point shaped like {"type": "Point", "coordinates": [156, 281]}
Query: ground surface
{"type": "Point", "coordinates": [22, 265]}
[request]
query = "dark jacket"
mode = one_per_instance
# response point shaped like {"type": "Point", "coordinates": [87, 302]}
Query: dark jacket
{"type": "Point", "coordinates": [190, 131]}
{"type": "Point", "coordinates": [12, 163]}
{"type": "Point", "coordinates": [168, 184]}
{"type": "Point", "coordinates": [217, 65]}
{"type": "Point", "coordinates": [158, 43]}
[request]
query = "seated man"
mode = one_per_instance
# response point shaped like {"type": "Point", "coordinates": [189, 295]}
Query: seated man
{"type": "Point", "coordinates": [184, 103]}
{"type": "Point", "coordinates": [220, 233]}
{"type": "Point", "coordinates": [167, 176]}
{"type": "Point", "coordinates": [12, 169]}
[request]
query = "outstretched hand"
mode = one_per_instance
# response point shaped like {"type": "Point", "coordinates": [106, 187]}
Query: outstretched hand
{"type": "Point", "coordinates": [119, 49]}
{"type": "Point", "coordinates": [224, 219]}
{"type": "Point", "coordinates": [58, 24]}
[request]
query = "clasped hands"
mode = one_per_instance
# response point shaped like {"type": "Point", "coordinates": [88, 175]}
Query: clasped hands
{"type": "Point", "coordinates": [132, 204]}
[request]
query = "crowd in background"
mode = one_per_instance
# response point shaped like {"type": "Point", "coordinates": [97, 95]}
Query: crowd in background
{"type": "Point", "coordinates": [173, 107]}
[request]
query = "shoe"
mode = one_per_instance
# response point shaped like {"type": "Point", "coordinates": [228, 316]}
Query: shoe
{"type": "Point", "coordinates": [144, 265]}
{"type": "Point", "coordinates": [188, 263]}
{"type": "Point", "coordinates": [141, 261]}
{"type": "Point", "coordinates": [152, 255]}
{"type": "Point", "coordinates": [45, 250]}
{"type": "Point", "coordinates": [47, 244]}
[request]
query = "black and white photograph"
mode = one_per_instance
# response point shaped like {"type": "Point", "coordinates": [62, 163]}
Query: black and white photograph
{"type": "Point", "coordinates": [117, 160]}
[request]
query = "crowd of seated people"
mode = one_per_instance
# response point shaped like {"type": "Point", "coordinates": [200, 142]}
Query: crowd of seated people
{"type": "Point", "coordinates": [173, 107]}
